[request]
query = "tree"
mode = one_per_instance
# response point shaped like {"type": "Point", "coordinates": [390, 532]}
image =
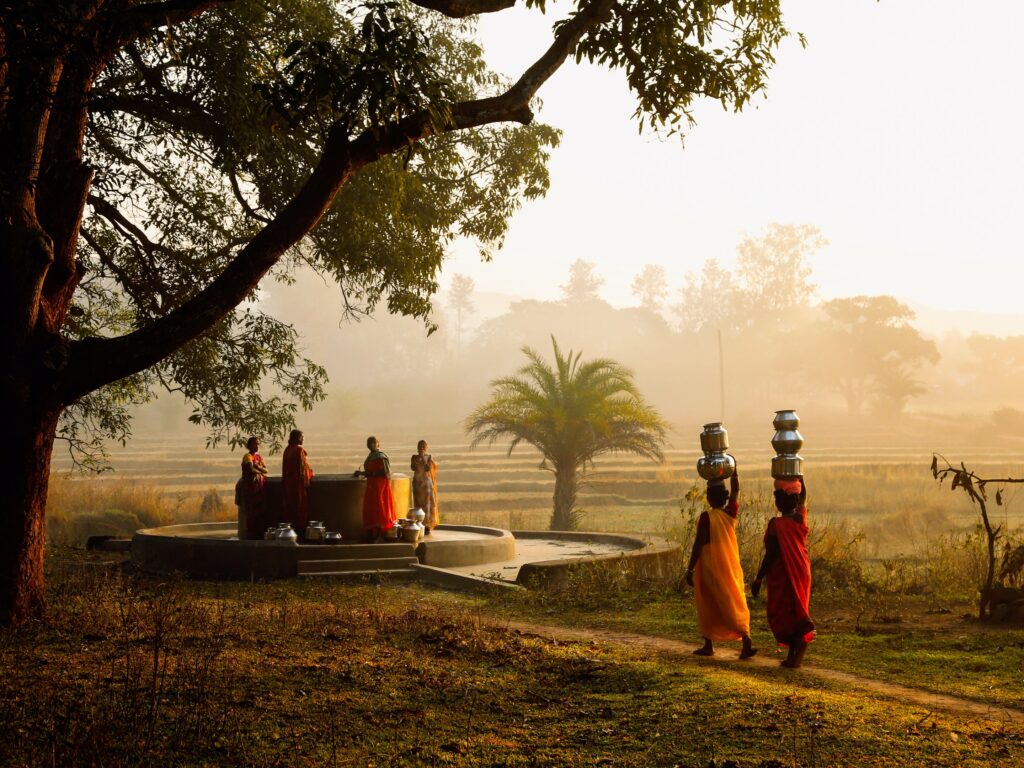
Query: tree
{"type": "Point", "coordinates": [584, 283]}
{"type": "Point", "coordinates": [460, 300]}
{"type": "Point", "coordinates": [771, 281]}
{"type": "Point", "coordinates": [572, 412]}
{"type": "Point", "coordinates": [161, 158]}
{"type": "Point", "coordinates": [708, 301]}
{"type": "Point", "coordinates": [868, 348]}
{"type": "Point", "coordinates": [649, 286]}
{"type": "Point", "coordinates": [974, 486]}
{"type": "Point", "coordinates": [773, 269]}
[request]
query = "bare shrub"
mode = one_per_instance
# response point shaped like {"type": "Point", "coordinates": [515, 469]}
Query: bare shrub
{"type": "Point", "coordinates": [79, 508]}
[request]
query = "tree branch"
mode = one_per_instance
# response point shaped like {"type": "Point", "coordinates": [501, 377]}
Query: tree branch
{"type": "Point", "coordinates": [97, 361]}
{"type": "Point", "coordinates": [511, 106]}
{"type": "Point", "coordinates": [94, 362]}
{"type": "Point", "coordinates": [139, 20]}
{"type": "Point", "coordinates": [460, 9]}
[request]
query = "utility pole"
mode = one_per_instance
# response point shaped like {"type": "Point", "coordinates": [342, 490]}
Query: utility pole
{"type": "Point", "coordinates": [721, 375]}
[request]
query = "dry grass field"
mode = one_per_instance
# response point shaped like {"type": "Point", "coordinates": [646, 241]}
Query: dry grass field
{"type": "Point", "coordinates": [884, 492]}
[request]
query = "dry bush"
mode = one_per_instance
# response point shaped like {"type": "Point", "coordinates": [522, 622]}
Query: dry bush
{"type": "Point", "coordinates": [80, 507]}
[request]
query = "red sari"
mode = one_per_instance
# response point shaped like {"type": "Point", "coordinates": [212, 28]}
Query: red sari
{"type": "Point", "coordinates": [295, 477]}
{"type": "Point", "coordinates": [253, 495]}
{"type": "Point", "coordinates": [788, 579]}
{"type": "Point", "coordinates": [378, 503]}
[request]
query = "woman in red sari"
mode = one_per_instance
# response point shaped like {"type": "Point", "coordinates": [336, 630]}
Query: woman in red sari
{"type": "Point", "coordinates": [250, 493]}
{"type": "Point", "coordinates": [378, 503]}
{"type": "Point", "coordinates": [787, 569]}
{"type": "Point", "coordinates": [295, 477]}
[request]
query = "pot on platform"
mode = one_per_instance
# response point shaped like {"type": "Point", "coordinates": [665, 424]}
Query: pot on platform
{"type": "Point", "coordinates": [315, 532]}
{"type": "Point", "coordinates": [287, 535]}
{"type": "Point", "coordinates": [332, 537]}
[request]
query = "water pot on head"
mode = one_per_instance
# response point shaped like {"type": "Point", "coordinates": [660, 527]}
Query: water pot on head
{"type": "Point", "coordinates": [787, 442]}
{"type": "Point", "coordinates": [715, 464]}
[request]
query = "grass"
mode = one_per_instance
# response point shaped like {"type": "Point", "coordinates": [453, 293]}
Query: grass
{"type": "Point", "coordinates": [905, 640]}
{"type": "Point", "coordinates": [130, 671]}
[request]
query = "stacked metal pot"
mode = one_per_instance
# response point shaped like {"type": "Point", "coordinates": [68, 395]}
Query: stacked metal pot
{"type": "Point", "coordinates": [787, 441]}
{"type": "Point", "coordinates": [715, 464]}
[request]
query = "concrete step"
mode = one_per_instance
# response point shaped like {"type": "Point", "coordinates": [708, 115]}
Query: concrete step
{"type": "Point", "coordinates": [355, 551]}
{"type": "Point", "coordinates": [402, 574]}
{"type": "Point", "coordinates": [310, 567]}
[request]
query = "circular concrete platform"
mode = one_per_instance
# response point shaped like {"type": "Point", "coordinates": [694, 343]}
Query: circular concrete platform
{"type": "Point", "coordinates": [213, 550]}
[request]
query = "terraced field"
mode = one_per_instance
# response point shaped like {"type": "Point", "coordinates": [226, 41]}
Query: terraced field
{"type": "Point", "coordinates": [885, 489]}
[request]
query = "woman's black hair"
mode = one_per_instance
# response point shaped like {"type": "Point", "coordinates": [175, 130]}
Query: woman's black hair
{"type": "Point", "coordinates": [786, 502]}
{"type": "Point", "coordinates": [717, 495]}
{"type": "Point", "coordinates": [370, 441]}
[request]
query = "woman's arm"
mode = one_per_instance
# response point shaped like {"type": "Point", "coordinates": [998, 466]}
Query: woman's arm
{"type": "Point", "coordinates": [734, 483]}
{"type": "Point", "coordinates": [771, 551]}
{"type": "Point", "coordinates": [701, 537]}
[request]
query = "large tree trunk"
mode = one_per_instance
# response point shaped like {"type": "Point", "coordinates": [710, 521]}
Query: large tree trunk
{"type": "Point", "coordinates": [25, 456]}
{"type": "Point", "coordinates": [566, 486]}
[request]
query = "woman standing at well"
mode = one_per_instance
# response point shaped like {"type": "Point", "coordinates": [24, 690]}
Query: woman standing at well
{"type": "Point", "coordinates": [424, 484]}
{"type": "Point", "coordinates": [250, 492]}
{"type": "Point", "coordinates": [295, 477]}
{"type": "Point", "coordinates": [378, 503]}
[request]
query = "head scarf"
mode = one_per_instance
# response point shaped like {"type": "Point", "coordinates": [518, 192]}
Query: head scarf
{"type": "Point", "coordinates": [789, 486]}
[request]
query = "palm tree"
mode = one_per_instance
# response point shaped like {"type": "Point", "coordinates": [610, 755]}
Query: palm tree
{"type": "Point", "coordinates": [572, 412]}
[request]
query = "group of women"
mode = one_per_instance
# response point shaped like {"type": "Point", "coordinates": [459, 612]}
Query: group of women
{"type": "Point", "coordinates": [379, 515]}
{"type": "Point", "coordinates": [716, 575]}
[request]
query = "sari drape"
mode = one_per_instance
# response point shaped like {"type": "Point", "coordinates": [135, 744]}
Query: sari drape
{"type": "Point", "coordinates": [722, 612]}
{"type": "Point", "coordinates": [295, 477]}
{"type": "Point", "coordinates": [788, 581]}
{"type": "Point", "coordinates": [424, 487]}
{"type": "Point", "coordinates": [378, 503]}
{"type": "Point", "coordinates": [252, 494]}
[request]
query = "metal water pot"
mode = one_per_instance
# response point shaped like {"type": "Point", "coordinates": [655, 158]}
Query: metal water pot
{"type": "Point", "coordinates": [287, 535]}
{"type": "Point", "coordinates": [787, 466]}
{"type": "Point", "coordinates": [714, 438]}
{"type": "Point", "coordinates": [786, 419]}
{"type": "Point", "coordinates": [315, 531]}
{"type": "Point", "coordinates": [716, 466]}
{"type": "Point", "coordinates": [270, 534]}
{"type": "Point", "coordinates": [787, 441]}
{"type": "Point", "coordinates": [332, 537]}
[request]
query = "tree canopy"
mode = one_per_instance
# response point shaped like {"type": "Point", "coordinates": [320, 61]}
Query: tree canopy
{"type": "Point", "coordinates": [162, 157]}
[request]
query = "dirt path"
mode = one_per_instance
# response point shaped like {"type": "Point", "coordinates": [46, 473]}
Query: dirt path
{"type": "Point", "coordinates": [684, 652]}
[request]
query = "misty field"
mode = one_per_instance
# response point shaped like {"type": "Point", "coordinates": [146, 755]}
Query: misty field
{"type": "Point", "coordinates": [883, 494]}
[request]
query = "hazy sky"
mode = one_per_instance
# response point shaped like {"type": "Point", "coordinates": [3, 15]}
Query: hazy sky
{"type": "Point", "coordinates": [897, 132]}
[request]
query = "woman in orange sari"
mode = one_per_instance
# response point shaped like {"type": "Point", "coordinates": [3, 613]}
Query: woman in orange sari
{"type": "Point", "coordinates": [424, 485]}
{"type": "Point", "coordinates": [787, 569]}
{"type": "Point", "coordinates": [295, 477]}
{"type": "Point", "coordinates": [715, 572]}
{"type": "Point", "coordinates": [378, 503]}
{"type": "Point", "coordinates": [250, 493]}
